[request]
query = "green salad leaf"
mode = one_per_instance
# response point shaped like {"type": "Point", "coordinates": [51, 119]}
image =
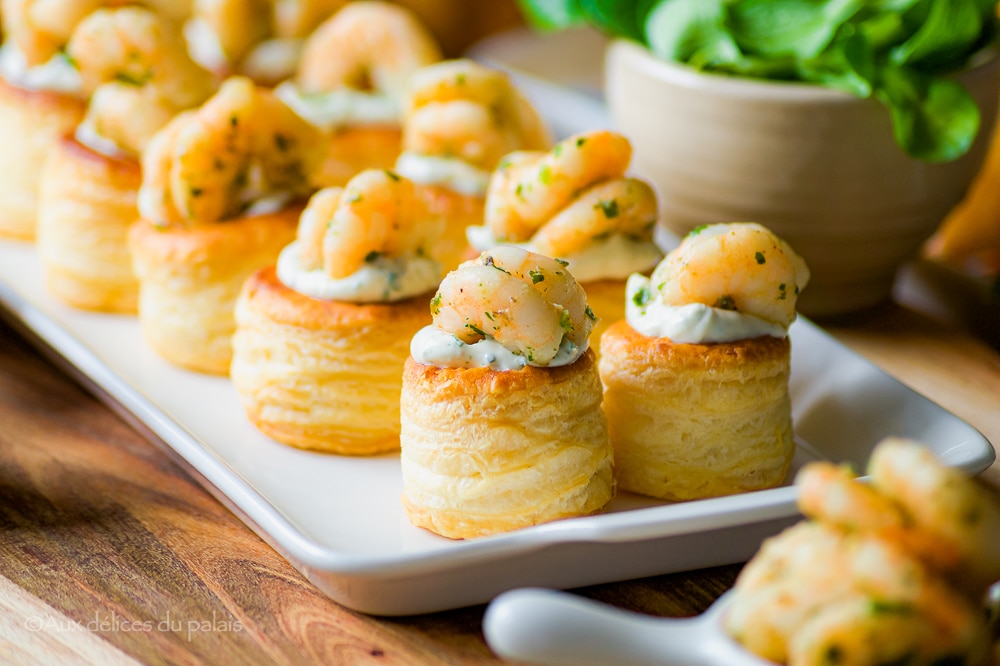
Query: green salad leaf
{"type": "Point", "coordinates": [898, 51]}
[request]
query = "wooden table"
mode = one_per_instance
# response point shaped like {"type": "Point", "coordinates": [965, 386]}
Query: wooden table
{"type": "Point", "coordinates": [111, 554]}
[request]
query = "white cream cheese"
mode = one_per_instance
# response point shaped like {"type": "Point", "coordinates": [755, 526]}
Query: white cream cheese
{"type": "Point", "coordinates": [432, 346]}
{"type": "Point", "coordinates": [694, 323]}
{"type": "Point", "coordinates": [88, 135]}
{"type": "Point", "coordinates": [450, 172]}
{"type": "Point", "coordinates": [612, 258]}
{"type": "Point", "coordinates": [203, 45]}
{"type": "Point", "coordinates": [58, 75]}
{"type": "Point", "coordinates": [340, 108]}
{"type": "Point", "coordinates": [381, 280]}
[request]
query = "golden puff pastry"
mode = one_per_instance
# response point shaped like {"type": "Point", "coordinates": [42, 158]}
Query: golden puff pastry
{"type": "Point", "coordinates": [322, 374]}
{"type": "Point", "coordinates": [459, 212]}
{"type": "Point", "coordinates": [88, 204]}
{"type": "Point", "coordinates": [691, 421]}
{"type": "Point", "coordinates": [501, 419]}
{"type": "Point", "coordinates": [321, 337]}
{"type": "Point", "coordinates": [489, 451]}
{"type": "Point", "coordinates": [607, 300]}
{"type": "Point", "coordinates": [190, 279]}
{"type": "Point", "coordinates": [696, 375]}
{"type": "Point", "coordinates": [351, 150]}
{"type": "Point", "coordinates": [31, 121]}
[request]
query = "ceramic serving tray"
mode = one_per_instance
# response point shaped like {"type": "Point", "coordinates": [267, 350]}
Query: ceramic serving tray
{"type": "Point", "coordinates": [339, 519]}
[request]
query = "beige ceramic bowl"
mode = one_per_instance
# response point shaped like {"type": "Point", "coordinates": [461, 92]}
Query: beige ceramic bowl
{"type": "Point", "coordinates": [819, 167]}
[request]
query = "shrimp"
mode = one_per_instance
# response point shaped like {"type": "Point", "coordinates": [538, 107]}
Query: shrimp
{"type": "Point", "coordinates": [294, 19]}
{"type": "Point", "coordinates": [525, 301]}
{"type": "Point", "coordinates": [811, 569]}
{"type": "Point", "coordinates": [366, 45]}
{"type": "Point", "coordinates": [135, 46]}
{"type": "Point", "coordinates": [41, 28]}
{"type": "Point", "coordinates": [961, 521]}
{"type": "Point", "coordinates": [378, 213]}
{"type": "Point", "coordinates": [462, 109]}
{"type": "Point", "coordinates": [236, 25]}
{"type": "Point", "coordinates": [627, 206]}
{"type": "Point", "coordinates": [127, 116]}
{"type": "Point", "coordinates": [524, 196]}
{"type": "Point", "coordinates": [242, 143]}
{"type": "Point", "coordinates": [313, 223]}
{"type": "Point", "coordinates": [739, 266]}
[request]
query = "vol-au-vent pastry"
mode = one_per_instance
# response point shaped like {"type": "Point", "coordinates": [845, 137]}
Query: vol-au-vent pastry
{"type": "Point", "coordinates": [259, 39]}
{"type": "Point", "coordinates": [41, 98]}
{"type": "Point", "coordinates": [321, 339]}
{"type": "Point", "coordinates": [696, 375]}
{"type": "Point", "coordinates": [351, 80]}
{"type": "Point", "coordinates": [576, 202]}
{"type": "Point", "coordinates": [893, 571]}
{"type": "Point", "coordinates": [220, 194]}
{"type": "Point", "coordinates": [501, 419]}
{"type": "Point", "coordinates": [461, 118]}
{"type": "Point", "coordinates": [137, 75]}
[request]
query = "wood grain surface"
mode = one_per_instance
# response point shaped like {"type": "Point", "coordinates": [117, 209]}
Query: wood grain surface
{"type": "Point", "coordinates": [112, 554]}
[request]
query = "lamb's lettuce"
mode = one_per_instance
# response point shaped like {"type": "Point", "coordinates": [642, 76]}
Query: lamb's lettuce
{"type": "Point", "coordinates": [897, 51]}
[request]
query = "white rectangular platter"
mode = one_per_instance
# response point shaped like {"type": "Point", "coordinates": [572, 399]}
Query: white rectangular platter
{"type": "Point", "coordinates": [339, 519]}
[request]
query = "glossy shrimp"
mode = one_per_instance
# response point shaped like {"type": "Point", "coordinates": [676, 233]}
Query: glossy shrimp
{"type": "Point", "coordinates": [525, 301]}
{"type": "Point", "coordinates": [739, 266]}
{"type": "Point", "coordinates": [527, 192]}
{"type": "Point", "coordinates": [463, 109]}
{"type": "Point", "coordinates": [241, 145]}
{"type": "Point", "coordinates": [376, 214]}
{"type": "Point", "coordinates": [367, 46]}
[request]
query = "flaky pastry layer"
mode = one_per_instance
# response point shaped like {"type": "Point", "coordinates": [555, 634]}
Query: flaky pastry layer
{"type": "Point", "coordinates": [189, 280]}
{"type": "Point", "coordinates": [486, 451]}
{"type": "Point", "coordinates": [30, 122]}
{"type": "Point", "coordinates": [322, 375]}
{"type": "Point", "coordinates": [87, 205]}
{"type": "Point", "coordinates": [459, 212]}
{"type": "Point", "coordinates": [351, 150]}
{"type": "Point", "coordinates": [690, 421]}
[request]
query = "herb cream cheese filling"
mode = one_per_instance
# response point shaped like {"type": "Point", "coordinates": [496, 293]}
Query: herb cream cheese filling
{"type": "Point", "coordinates": [450, 172]}
{"type": "Point", "coordinates": [343, 107]}
{"type": "Point", "coordinates": [613, 257]}
{"type": "Point", "coordinates": [381, 280]}
{"type": "Point", "coordinates": [58, 75]}
{"type": "Point", "coordinates": [694, 323]}
{"type": "Point", "coordinates": [432, 346]}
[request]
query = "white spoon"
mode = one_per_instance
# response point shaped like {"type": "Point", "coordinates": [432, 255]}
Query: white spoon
{"type": "Point", "coordinates": [541, 626]}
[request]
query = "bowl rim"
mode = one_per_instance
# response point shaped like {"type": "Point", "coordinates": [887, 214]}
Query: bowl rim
{"type": "Point", "coordinates": [684, 76]}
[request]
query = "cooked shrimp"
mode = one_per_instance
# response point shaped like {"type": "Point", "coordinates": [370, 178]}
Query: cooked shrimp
{"type": "Point", "coordinates": [525, 301]}
{"type": "Point", "coordinates": [525, 195]}
{"type": "Point", "coordinates": [298, 18]}
{"type": "Point", "coordinates": [366, 45]}
{"type": "Point", "coordinates": [960, 519]}
{"type": "Point", "coordinates": [739, 266]}
{"type": "Point", "coordinates": [138, 47]}
{"type": "Point", "coordinates": [41, 28]}
{"type": "Point", "coordinates": [811, 567]}
{"type": "Point", "coordinates": [242, 143]}
{"type": "Point", "coordinates": [313, 223]}
{"type": "Point", "coordinates": [377, 214]}
{"type": "Point", "coordinates": [125, 115]}
{"type": "Point", "coordinates": [626, 206]}
{"type": "Point", "coordinates": [237, 25]}
{"type": "Point", "coordinates": [462, 109]}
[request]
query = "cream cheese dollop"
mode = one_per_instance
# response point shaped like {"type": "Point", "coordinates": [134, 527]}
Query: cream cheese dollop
{"type": "Point", "coordinates": [432, 346]}
{"type": "Point", "coordinates": [693, 323]}
{"type": "Point", "coordinates": [58, 75]}
{"type": "Point", "coordinates": [380, 280]}
{"type": "Point", "coordinates": [343, 107]}
{"type": "Point", "coordinates": [451, 172]}
{"type": "Point", "coordinates": [612, 258]}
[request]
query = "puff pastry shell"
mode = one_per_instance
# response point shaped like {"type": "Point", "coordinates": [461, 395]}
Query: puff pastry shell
{"type": "Point", "coordinates": [487, 451]}
{"type": "Point", "coordinates": [189, 280]}
{"type": "Point", "coordinates": [323, 375]}
{"type": "Point", "coordinates": [30, 122]}
{"type": "Point", "coordinates": [88, 204]}
{"type": "Point", "coordinates": [690, 421]}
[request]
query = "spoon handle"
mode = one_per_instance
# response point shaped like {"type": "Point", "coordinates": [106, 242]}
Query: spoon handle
{"type": "Point", "coordinates": [547, 627]}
